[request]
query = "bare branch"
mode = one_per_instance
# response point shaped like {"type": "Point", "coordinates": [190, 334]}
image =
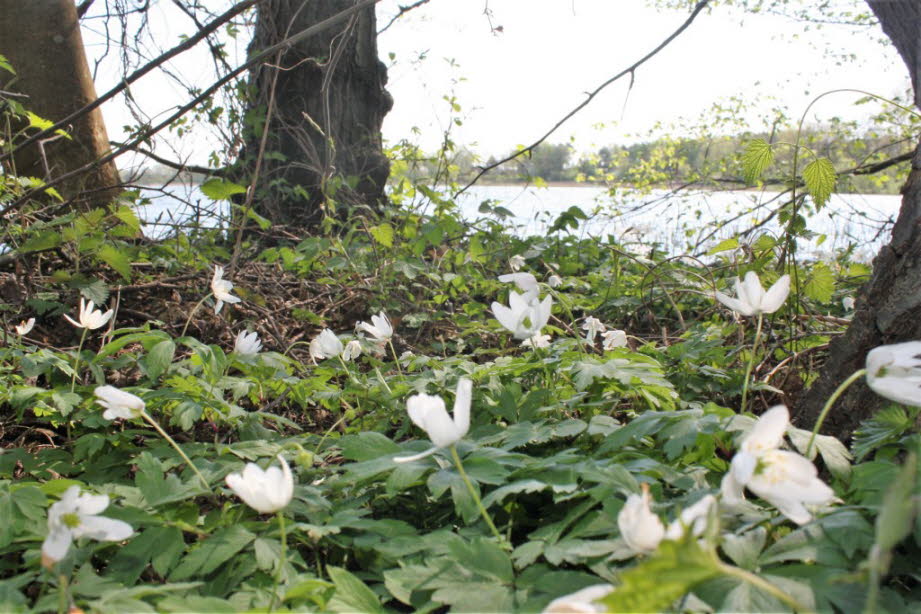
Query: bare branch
{"type": "Point", "coordinates": [259, 57]}
{"type": "Point", "coordinates": [627, 71]}
{"type": "Point", "coordinates": [185, 46]}
{"type": "Point", "coordinates": [403, 11]}
{"type": "Point", "coordinates": [84, 7]}
{"type": "Point", "coordinates": [179, 166]}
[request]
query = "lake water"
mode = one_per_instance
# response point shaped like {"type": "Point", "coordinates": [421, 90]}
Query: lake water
{"type": "Point", "coordinates": [679, 223]}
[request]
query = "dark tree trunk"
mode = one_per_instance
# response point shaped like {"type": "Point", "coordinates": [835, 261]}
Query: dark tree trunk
{"type": "Point", "coordinates": [42, 40]}
{"type": "Point", "coordinates": [888, 309]}
{"type": "Point", "coordinates": [326, 102]}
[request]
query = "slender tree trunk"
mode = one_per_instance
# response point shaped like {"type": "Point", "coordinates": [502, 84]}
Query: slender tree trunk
{"type": "Point", "coordinates": [888, 309]}
{"type": "Point", "coordinates": [326, 102]}
{"type": "Point", "coordinates": [41, 39]}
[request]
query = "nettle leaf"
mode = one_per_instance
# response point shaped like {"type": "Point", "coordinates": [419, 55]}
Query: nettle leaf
{"type": "Point", "coordinates": [115, 258]}
{"type": "Point", "coordinates": [757, 157]}
{"type": "Point", "coordinates": [383, 234]}
{"type": "Point", "coordinates": [666, 575]}
{"type": "Point", "coordinates": [218, 189]}
{"type": "Point", "coordinates": [821, 283]}
{"type": "Point", "coordinates": [819, 176]}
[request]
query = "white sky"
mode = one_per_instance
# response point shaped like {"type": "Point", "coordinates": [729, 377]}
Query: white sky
{"type": "Point", "coordinates": [513, 86]}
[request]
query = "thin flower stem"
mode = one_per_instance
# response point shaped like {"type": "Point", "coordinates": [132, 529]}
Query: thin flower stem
{"type": "Point", "coordinates": [346, 367]}
{"type": "Point", "coordinates": [759, 582]}
{"type": "Point", "coordinates": [63, 599]}
{"type": "Point", "coordinates": [382, 380]}
{"type": "Point", "coordinates": [281, 562]}
{"type": "Point", "coordinates": [476, 497]}
{"type": "Point", "coordinates": [831, 401]}
{"type": "Point", "coordinates": [396, 359]}
{"type": "Point", "coordinates": [751, 362]}
{"type": "Point", "coordinates": [192, 313]}
{"type": "Point", "coordinates": [173, 443]}
{"type": "Point", "coordinates": [873, 588]}
{"type": "Point", "coordinates": [73, 378]}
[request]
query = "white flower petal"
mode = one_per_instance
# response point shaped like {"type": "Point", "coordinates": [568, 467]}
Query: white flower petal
{"type": "Point", "coordinates": [581, 601]}
{"type": "Point", "coordinates": [768, 432]}
{"type": "Point", "coordinates": [775, 297]}
{"type": "Point", "coordinates": [415, 457]}
{"type": "Point", "coordinates": [57, 544]}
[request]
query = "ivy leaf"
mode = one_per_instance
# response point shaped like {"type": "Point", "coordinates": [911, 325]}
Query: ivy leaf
{"type": "Point", "coordinates": [757, 157]}
{"type": "Point", "coordinates": [218, 189]}
{"type": "Point", "coordinates": [820, 179]}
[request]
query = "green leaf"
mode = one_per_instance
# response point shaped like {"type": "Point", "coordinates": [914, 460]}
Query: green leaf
{"type": "Point", "coordinates": [115, 258]}
{"type": "Point", "coordinates": [820, 178]}
{"type": "Point", "coordinates": [218, 189]}
{"type": "Point", "coordinates": [383, 234]}
{"type": "Point", "coordinates": [44, 240]}
{"type": "Point", "coordinates": [352, 595]}
{"type": "Point", "coordinates": [36, 121]}
{"type": "Point", "coordinates": [654, 584]}
{"type": "Point", "coordinates": [899, 508]}
{"type": "Point", "coordinates": [213, 552]}
{"type": "Point", "coordinates": [724, 246]}
{"type": "Point", "coordinates": [159, 358]}
{"type": "Point", "coordinates": [821, 283]}
{"type": "Point", "coordinates": [757, 157]}
{"type": "Point", "coordinates": [5, 64]}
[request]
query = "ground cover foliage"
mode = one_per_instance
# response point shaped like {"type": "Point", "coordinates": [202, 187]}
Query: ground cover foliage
{"type": "Point", "coordinates": [560, 436]}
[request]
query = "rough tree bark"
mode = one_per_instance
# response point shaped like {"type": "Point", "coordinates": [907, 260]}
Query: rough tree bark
{"type": "Point", "coordinates": [326, 102]}
{"type": "Point", "coordinates": [888, 309]}
{"type": "Point", "coordinates": [41, 39]}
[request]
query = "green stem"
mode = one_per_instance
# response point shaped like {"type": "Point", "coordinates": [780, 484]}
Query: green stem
{"type": "Point", "coordinates": [63, 599]}
{"type": "Point", "coordinates": [382, 380]}
{"type": "Point", "coordinates": [831, 401]}
{"type": "Point", "coordinates": [192, 313]}
{"type": "Point", "coordinates": [873, 588]}
{"type": "Point", "coordinates": [759, 582]}
{"type": "Point", "coordinates": [173, 443]}
{"type": "Point", "coordinates": [281, 562]}
{"type": "Point", "coordinates": [396, 359]}
{"type": "Point", "coordinates": [476, 497]}
{"type": "Point", "coordinates": [346, 367]}
{"type": "Point", "coordinates": [751, 362]}
{"type": "Point", "coordinates": [73, 378]}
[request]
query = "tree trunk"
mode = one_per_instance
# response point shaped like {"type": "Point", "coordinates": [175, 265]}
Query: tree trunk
{"type": "Point", "coordinates": [41, 39]}
{"type": "Point", "coordinates": [326, 103]}
{"type": "Point", "coordinates": [888, 309]}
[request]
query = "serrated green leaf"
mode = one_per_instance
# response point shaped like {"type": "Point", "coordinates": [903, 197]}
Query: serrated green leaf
{"type": "Point", "coordinates": [5, 65]}
{"type": "Point", "coordinates": [44, 240]}
{"type": "Point", "coordinates": [821, 283]}
{"type": "Point", "coordinates": [115, 258]}
{"type": "Point", "coordinates": [757, 157]}
{"type": "Point", "coordinates": [383, 234]}
{"type": "Point", "coordinates": [218, 189]}
{"type": "Point", "coordinates": [666, 575]}
{"type": "Point", "coordinates": [819, 176]}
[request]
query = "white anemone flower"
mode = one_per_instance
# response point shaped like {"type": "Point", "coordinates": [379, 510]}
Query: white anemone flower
{"type": "Point", "coordinates": [526, 282]}
{"type": "Point", "coordinates": [352, 350]}
{"type": "Point", "coordinates": [380, 328]}
{"type": "Point", "coordinates": [326, 345]}
{"type": "Point", "coordinates": [581, 602]}
{"type": "Point", "coordinates": [221, 288]}
{"type": "Point", "coordinates": [848, 303]}
{"type": "Point", "coordinates": [692, 519]}
{"type": "Point", "coordinates": [76, 516]}
{"type": "Point", "coordinates": [592, 326]}
{"type": "Point", "coordinates": [525, 316]}
{"type": "Point", "coordinates": [785, 479]}
{"type": "Point", "coordinates": [639, 527]}
{"type": "Point", "coordinates": [537, 341]}
{"type": "Point", "coordinates": [25, 327]}
{"type": "Point", "coordinates": [752, 299]}
{"type": "Point", "coordinates": [118, 403]}
{"type": "Point", "coordinates": [554, 281]}
{"type": "Point", "coordinates": [90, 317]}
{"type": "Point", "coordinates": [516, 262]}
{"type": "Point", "coordinates": [266, 491]}
{"type": "Point", "coordinates": [613, 339]}
{"type": "Point", "coordinates": [247, 343]}
{"type": "Point", "coordinates": [894, 372]}
{"type": "Point", "coordinates": [428, 412]}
